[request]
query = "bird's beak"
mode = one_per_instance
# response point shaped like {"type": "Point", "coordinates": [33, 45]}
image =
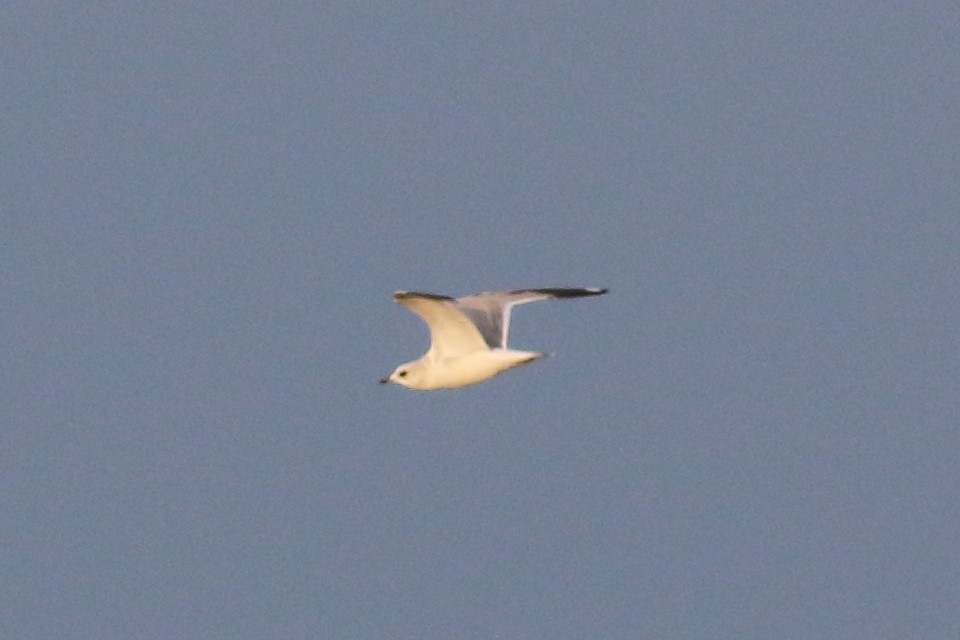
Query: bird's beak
{"type": "Point", "coordinates": [385, 380]}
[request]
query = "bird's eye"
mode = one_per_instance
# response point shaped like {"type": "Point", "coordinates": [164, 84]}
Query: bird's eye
{"type": "Point", "coordinates": [402, 373]}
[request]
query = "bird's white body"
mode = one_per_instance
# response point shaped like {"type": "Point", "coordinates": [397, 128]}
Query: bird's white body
{"type": "Point", "coordinates": [468, 336]}
{"type": "Point", "coordinates": [428, 374]}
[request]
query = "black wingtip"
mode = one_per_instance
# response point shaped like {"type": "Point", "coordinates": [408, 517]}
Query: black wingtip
{"type": "Point", "coordinates": [573, 292]}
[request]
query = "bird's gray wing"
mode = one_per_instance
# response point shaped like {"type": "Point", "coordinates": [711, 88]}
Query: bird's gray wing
{"type": "Point", "coordinates": [490, 311]}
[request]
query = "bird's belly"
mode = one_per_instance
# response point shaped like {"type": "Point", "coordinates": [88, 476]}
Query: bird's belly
{"type": "Point", "coordinates": [476, 367]}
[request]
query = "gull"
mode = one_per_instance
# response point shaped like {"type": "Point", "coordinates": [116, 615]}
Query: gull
{"type": "Point", "coordinates": [468, 336]}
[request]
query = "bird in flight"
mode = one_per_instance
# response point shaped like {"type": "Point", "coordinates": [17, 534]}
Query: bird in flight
{"type": "Point", "coordinates": [468, 336]}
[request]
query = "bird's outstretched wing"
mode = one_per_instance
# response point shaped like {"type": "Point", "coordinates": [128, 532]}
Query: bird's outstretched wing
{"type": "Point", "coordinates": [451, 332]}
{"type": "Point", "coordinates": [490, 311]}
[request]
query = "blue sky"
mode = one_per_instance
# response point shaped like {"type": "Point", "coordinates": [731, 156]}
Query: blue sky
{"type": "Point", "coordinates": [206, 211]}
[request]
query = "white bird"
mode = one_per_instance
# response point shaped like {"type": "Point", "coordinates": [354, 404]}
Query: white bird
{"type": "Point", "coordinates": [468, 336]}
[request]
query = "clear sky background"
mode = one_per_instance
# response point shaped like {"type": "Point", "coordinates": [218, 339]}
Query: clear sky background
{"type": "Point", "coordinates": [206, 208]}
